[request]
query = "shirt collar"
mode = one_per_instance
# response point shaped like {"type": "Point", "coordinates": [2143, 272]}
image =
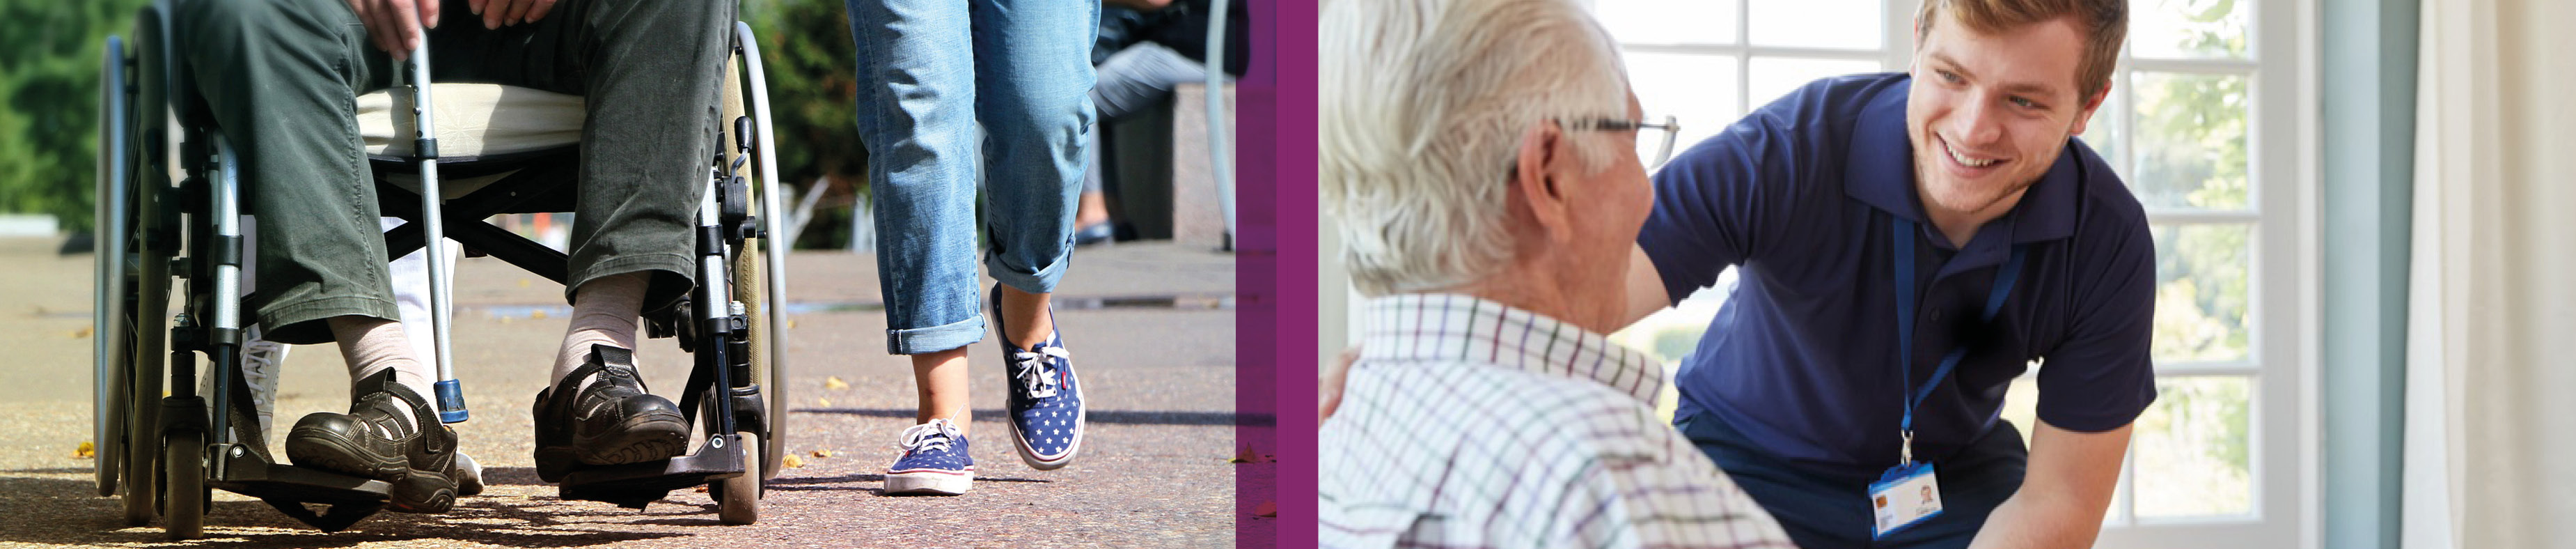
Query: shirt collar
{"type": "Point", "coordinates": [1449, 328]}
{"type": "Point", "coordinates": [1880, 172]}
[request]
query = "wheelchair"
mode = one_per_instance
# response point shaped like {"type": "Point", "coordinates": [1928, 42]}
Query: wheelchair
{"type": "Point", "coordinates": [169, 204]}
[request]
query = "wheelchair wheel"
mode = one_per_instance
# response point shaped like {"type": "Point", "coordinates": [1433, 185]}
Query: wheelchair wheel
{"type": "Point", "coordinates": [144, 329]}
{"type": "Point", "coordinates": [765, 291]}
{"type": "Point", "coordinates": [107, 384]}
{"type": "Point", "coordinates": [738, 498]}
{"type": "Point", "coordinates": [188, 495]}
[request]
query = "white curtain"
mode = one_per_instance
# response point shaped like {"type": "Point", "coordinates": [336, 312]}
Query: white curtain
{"type": "Point", "coordinates": [2491, 346]}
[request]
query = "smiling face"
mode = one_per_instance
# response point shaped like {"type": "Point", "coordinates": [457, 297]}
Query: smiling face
{"type": "Point", "coordinates": [1988, 113]}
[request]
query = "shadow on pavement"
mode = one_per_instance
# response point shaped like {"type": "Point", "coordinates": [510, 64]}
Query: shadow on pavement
{"type": "Point", "coordinates": [1122, 417]}
{"type": "Point", "coordinates": [36, 509]}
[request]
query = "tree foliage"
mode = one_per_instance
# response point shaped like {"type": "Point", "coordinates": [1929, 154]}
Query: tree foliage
{"type": "Point", "coordinates": [49, 102]}
{"type": "Point", "coordinates": [51, 53]}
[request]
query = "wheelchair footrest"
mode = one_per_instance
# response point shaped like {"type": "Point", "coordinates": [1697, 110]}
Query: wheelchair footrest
{"type": "Point", "coordinates": [635, 484]}
{"type": "Point", "coordinates": [288, 488]}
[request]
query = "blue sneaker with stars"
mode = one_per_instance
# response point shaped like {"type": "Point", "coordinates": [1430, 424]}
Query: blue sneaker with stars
{"type": "Point", "coordinates": [934, 461]}
{"type": "Point", "coordinates": [1046, 400]}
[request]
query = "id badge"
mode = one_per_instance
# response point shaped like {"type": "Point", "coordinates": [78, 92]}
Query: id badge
{"type": "Point", "coordinates": [1904, 496]}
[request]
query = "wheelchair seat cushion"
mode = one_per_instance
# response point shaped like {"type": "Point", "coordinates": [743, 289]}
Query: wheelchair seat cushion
{"type": "Point", "coordinates": [473, 120]}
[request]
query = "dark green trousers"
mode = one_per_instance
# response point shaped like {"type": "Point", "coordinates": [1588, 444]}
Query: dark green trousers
{"type": "Point", "coordinates": [281, 79]}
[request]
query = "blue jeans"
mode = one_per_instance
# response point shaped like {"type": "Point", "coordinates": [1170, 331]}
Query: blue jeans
{"type": "Point", "coordinates": [1829, 510]}
{"type": "Point", "coordinates": [931, 73]}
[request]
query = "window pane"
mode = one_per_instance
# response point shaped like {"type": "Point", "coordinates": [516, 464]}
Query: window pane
{"type": "Point", "coordinates": [2192, 450]}
{"type": "Point", "coordinates": [2189, 28]}
{"type": "Point", "coordinates": [2202, 300]}
{"type": "Point", "coordinates": [1669, 21]}
{"type": "Point", "coordinates": [1771, 77]}
{"type": "Point", "coordinates": [1698, 90]}
{"type": "Point", "coordinates": [1845, 24]}
{"type": "Point", "coordinates": [2191, 141]}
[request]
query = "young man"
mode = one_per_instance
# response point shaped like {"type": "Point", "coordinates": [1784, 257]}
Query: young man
{"type": "Point", "coordinates": [1481, 156]}
{"type": "Point", "coordinates": [1907, 244]}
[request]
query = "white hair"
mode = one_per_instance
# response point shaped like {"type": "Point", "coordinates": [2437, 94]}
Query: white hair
{"type": "Point", "coordinates": [1422, 104]}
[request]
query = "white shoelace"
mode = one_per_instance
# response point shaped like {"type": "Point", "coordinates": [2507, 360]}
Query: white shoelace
{"type": "Point", "coordinates": [1035, 372]}
{"type": "Point", "coordinates": [935, 435]}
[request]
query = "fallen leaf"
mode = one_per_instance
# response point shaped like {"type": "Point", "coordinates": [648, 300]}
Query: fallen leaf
{"type": "Point", "coordinates": [1266, 509]}
{"type": "Point", "coordinates": [792, 461]}
{"type": "Point", "coordinates": [1246, 455]}
{"type": "Point", "coordinates": [523, 283]}
{"type": "Point", "coordinates": [86, 451]}
{"type": "Point", "coordinates": [81, 333]}
{"type": "Point", "coordinates": [822, 453]}
{"type": "Point", "coordinates": [537, 314]}
{"type": "Point", "coordinates": [505, 320]}
{"type": "Point", "coordinates": [835, 383]}
{"type": "Point", "coordinates": [791, 324]}
{"type": "Point", "coordinates": [701, 489]}
{"type": "Point", "coordinates": [823, 402]}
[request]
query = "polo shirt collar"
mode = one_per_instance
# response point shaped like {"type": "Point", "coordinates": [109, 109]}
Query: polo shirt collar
{"type": "Point", "coordinates": [1879, 171]}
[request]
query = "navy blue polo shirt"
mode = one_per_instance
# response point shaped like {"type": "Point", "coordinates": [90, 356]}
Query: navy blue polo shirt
{"type": "Point", "coordinates": [1802, 195]}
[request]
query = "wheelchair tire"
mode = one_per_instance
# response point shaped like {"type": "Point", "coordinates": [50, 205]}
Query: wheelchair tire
{"type": "Point", "coordinates": [766, 263]}
{"type": "Point", "coordinates": [109, 255]}
{"type": "Point", "coordinates": [738, 498]}
{"type": "Point", "coordinates": [751, 282]}
{"type": "Point", "coordinates": [187, 497]}
{"type": "Point", "coordinates": [154, 77]}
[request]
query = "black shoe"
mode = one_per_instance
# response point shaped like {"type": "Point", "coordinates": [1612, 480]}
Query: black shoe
{"type": "Point", "coordinates": [612, 422]}
{"type": "Point", "coordinates": [373, 441]}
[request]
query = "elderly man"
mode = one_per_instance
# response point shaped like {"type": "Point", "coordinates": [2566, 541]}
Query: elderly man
{"type": "Point", "coordinates": [1481, 156]}
{"type": "Point", "coordinates": [281, 77]}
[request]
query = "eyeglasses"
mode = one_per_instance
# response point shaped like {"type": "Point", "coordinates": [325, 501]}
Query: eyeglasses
{"type": "Point", "coordinates": [1671, 127]}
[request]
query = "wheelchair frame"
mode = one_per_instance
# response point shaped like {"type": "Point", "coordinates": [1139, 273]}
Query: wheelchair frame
{"type": "Point", "coordinates": [169, 456]}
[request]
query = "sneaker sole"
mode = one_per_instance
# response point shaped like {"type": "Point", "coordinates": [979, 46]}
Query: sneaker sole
{"type": "Point", "coordinates": [942, 483]}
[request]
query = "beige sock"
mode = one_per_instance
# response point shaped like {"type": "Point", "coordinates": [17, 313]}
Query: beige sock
{"type": "Point", "coordinates": [373, 345]}
{"type": "Point", "coordinates": [604, 311]}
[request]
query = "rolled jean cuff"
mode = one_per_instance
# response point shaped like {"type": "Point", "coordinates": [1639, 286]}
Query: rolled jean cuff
{"type": "Point", "coordinates": [301, 323]}
{"type": "Point", "coordinates": [1039, 282]}
{"type": "Point", "coordinates": [936, 338]}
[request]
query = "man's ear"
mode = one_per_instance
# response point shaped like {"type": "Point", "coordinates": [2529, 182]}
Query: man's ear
{"type": "Point", "coordinates": [1537, 178]}
{"type": "Point", "coordinates": [2091, 104]}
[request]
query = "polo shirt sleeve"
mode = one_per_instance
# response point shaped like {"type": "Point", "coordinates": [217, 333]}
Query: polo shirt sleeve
{"type": "Point", "coordinates": [2102, 375]}
{"type": "Point", "coordinates": [1722, 201]}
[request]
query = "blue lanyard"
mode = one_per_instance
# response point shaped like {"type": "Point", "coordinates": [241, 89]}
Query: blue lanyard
{"type": "Point", "coordinates": [1905, 305]}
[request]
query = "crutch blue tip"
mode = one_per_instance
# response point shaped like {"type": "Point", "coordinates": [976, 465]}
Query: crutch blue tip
{"type": "Point", "coordinates": [451, 401]}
